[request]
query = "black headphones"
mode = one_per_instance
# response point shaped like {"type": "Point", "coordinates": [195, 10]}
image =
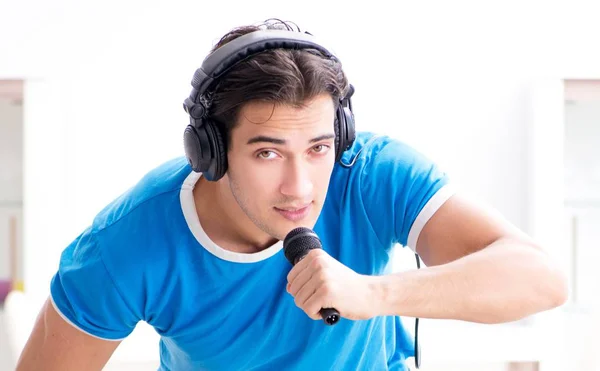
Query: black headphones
{"type": "Point", "coordinates": [203, 141]}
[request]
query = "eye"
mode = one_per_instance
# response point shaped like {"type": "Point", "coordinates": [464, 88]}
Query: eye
{"type": "Point", "coordinates": [320, 148]}
{"type": "Point", "coordinates": [267, 155]}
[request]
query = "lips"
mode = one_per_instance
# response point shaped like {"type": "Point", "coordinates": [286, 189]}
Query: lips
{"type": "Point", "coordinates": [294, 213]}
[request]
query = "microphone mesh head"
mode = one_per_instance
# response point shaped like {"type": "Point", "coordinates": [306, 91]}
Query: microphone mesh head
{"type": "Point", "coordinates": [299, 242]}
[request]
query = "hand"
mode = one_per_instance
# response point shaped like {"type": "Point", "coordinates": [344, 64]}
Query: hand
{"type": "Point", "coordinates": [319, 281]}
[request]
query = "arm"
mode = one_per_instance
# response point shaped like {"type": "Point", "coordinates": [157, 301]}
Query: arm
{"type": "Point", "coordinates": [487, 272]}
{"type": "Point", "coordinates": [481, 269]}
{"type": "Point", "coordinates": [54, 344]}
{"type": "Point", "coordinates": [86, 316]}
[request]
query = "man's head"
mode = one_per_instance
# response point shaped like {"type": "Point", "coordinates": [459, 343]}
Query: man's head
{"type": "Point", "coordinates": [281, 76]}
{"type": "Point", "coordinates": [276, 113]}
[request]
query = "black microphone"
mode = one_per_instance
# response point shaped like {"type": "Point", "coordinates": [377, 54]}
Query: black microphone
{"type": "Point", "coordinates": [298, 242]}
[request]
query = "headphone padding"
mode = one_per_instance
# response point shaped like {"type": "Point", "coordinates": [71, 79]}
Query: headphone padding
{"type": "Point", "coordinates": [338, 130]}
{"type": "Point", "coordinates": [218, 164]}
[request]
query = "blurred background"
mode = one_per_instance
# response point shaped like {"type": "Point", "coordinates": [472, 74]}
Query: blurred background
{"type": "Point", "coordinates": [505, 96]}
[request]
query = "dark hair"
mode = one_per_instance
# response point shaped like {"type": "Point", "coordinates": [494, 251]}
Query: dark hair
{"type": "Point", "coordinates": [280, 76]}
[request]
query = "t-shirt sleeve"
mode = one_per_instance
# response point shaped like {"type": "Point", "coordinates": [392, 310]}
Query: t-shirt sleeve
{"type": "Point", "coordinates": [401, 190]}
{"type": "Point", "coordinates": [85, 295]}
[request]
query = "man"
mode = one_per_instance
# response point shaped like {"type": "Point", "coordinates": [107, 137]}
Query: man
{"type": "Point", "coordinates": [195, 248]}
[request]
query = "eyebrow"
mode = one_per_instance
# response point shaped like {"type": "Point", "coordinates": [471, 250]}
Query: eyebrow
{"type": "Point", "coordinates": [267, 139]}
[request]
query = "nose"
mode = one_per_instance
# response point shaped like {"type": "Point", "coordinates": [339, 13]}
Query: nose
{"type": "Point", "coordinates": [297, 182]}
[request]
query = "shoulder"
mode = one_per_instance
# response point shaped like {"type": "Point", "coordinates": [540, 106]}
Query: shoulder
{"type": "Point", "coordinates": [390, 183]}
{"type": "Point", "coordinates": [126, 255]}
{"type": "Point", "coordinates": [378, 155]}
{"type": "Point", "coordinates": [157, 186]}
{"type": "Point", "coordinates": [134, 233]}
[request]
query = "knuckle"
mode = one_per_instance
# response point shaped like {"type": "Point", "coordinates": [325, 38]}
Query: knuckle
{"type": "Point", "coordinates": [311, 311]}
{"type": "Point", "coordinates": [317, 253]}
{"type": "Point", "coordinates": [316, 264]}
{"type": "Point", "coordinates": [326, 289]}
{"type": "Point", "coordinates": [321, 261]}
{"type": "Point", "coordinates": [321, 278]}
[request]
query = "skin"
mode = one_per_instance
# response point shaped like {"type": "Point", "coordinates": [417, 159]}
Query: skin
{"type": "Point", "coordinates": [480, 268]}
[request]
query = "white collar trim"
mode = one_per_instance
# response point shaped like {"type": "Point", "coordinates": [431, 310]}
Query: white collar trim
{"type": "Point", "coordinates": [190, 214]}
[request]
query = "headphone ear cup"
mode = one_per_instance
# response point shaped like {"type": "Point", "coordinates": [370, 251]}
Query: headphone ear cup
{"type": "Point", "coordinates": [205, 150]}
{"type": "Point", "coordinates": [350, 130]}
{"type": "Point", "coordinates": [196, 148]}
{"type": "Point", "coordinates": [218, 165]}
{"type": "Point", "coordinates": [344, 131]}
{"type": "Point", "coordinates": [336, 130]}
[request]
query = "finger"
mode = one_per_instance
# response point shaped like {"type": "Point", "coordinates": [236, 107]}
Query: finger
{"type": "Point", "coordinates": [316, 302]}
{"type": "Point", "coordinates": [305, 293]}
{"type": "Point", "coordinates": [300, 280]}
{"type": "Point", "coordinates": [301, 265]}
{"type": "Point", "coordinates": [304, 296]}
{"type": "Point", "coordinates": [293, 275]}
{"type": "Point", "coordinates": [315, 266]}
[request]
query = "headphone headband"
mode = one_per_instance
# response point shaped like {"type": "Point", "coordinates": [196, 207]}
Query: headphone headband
{"type": "Point", "coordinates": [221, 60]}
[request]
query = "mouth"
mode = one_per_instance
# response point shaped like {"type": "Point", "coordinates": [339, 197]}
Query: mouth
{"type": "Point", "coordinates": [294, 213]}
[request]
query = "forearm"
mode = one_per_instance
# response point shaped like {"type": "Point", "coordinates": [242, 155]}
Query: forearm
{"type": "Point", "coordinates": [504, 282]}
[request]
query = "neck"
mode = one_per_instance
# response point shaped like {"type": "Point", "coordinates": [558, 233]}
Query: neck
{"type": "Point", "coordinates": [224, 221]}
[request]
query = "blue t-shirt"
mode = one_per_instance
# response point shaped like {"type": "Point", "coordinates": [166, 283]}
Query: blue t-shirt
{"type": "Point", "coordinates": [146, 258]}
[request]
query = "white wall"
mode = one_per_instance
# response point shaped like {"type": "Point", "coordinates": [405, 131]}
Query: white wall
{"type": "Point", "coordinates": [11, 180]}
{"type": "Point", "coordinates": [582, 197]}
{"type": "Point", "coordinates": [582, 152]}
{"type": "Point", "coordinates": [11, 152]}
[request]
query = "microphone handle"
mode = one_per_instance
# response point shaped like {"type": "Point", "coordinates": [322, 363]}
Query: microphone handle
{"type": "Point", "coordinates": [330, 316]}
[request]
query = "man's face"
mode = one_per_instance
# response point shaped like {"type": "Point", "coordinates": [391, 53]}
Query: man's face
{"type": "Point", "coordinates": [280, 162]}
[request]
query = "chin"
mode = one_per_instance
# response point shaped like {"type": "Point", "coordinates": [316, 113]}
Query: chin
{"type": "Point", "coordinates": [308, 223]}
{"type": "Point", "coordinates": [279, 226]}
{"type": "Point", "coordinates": [279, 229]}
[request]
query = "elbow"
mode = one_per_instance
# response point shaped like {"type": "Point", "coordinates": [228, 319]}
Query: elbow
{"type": "Point", "coordinates": [551, 292]}
{"type": "Point", "coordinates": [552, 287]}
{"type": "Point", "coordinates": [559, 293]}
